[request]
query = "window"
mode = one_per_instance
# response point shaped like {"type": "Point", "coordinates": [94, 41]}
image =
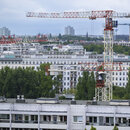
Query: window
{"type": "Point", "coordinates": [124, 120]}
{"type": "Point", "coordinates": [107, 119]}
{"type": "Point", "coordinates": [78, 118]}
{"type": "Point", "coordinates": [90, 119]}
{"type": "Point", "coordinates": [34, 118]}
{"type": "Point", "coordinates": [46, 118]}
{"type": "Point", "coordinates": [26, 118]}
{"type": "Point", "coordinates": [18, 117]}
{"type": "Point", "coordinates": [4, 116]}
{"type": "Point", "coordinates": [63, 118]}
{"type": "Point", "coordinates": [95, 119]}
{"type": "Point", "coordinates": [119, 120]}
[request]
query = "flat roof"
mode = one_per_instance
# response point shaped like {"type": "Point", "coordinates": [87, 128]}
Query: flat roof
{"type": "Point", "coordinates": [67, 102]}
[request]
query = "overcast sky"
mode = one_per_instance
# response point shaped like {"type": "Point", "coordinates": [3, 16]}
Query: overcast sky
{"type": "Point", "coordinates": [13, 16]}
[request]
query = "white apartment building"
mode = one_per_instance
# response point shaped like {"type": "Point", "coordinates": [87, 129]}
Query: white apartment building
{"type": "Point", "coordinates": [122, 43]}
{"type": "Point", "coordinates": [66, 63]}
{"type": "Point", "coordinates": [52, 114]}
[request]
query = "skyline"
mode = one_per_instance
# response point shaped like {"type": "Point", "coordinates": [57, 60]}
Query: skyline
{"type": "Point", "coordinates": [13, 16]}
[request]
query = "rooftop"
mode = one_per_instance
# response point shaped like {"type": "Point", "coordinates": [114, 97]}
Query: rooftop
{"type": "Point", "coordinates": [56, 101]}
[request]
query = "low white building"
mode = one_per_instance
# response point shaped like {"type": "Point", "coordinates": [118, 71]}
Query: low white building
{"type": "Point", "coordinates": [49, 114]}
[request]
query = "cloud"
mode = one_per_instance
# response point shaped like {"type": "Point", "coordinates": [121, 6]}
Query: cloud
{"type": "Point", "coordinates": [13, 14]}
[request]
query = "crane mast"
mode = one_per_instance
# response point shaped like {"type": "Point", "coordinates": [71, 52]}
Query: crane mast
{"type": "Point", "coordinates": [103, 90]}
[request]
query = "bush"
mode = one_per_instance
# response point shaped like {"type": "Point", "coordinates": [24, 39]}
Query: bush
{"type": "Point", "coordinates": [62, 98]}
{"type": "Point", "coordinates": [115, 128]}
{"type": "Point", "coordinates": [93, 128]}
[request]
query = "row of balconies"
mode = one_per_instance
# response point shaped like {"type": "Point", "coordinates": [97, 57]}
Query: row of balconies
{"type": "Point", "coordinates": [43, 119]}
{"type": "Point", "coordinates": [108, 121]}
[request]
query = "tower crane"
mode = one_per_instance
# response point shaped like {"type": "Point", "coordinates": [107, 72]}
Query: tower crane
{"type": "Point", "coordinates": [103, 91]}
{"type": "Point", "coordinates": [127, 24]}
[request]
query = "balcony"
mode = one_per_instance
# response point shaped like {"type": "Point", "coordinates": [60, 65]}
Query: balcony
{"type": "Point", "coordinates": [4, 120]}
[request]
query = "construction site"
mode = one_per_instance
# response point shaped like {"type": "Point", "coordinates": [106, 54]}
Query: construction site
{"type": "Point", "coordinates": [104, 90]}
{"type": "Point", "coordinates": [70, 61]}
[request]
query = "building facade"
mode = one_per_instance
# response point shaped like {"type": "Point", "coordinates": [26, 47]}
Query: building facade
{"type": "Point", "coordinates": [66, 61]}
{"type": "Point", "coordinates": [63, 115]}
{"type": "Point", "coordinates": [69, 31]}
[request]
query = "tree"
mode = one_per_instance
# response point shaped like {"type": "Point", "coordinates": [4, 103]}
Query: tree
{"type": "Point", "coordinates": [62, 98]}
{"type": "Point", "coordinates": [91, 86]}
{"type": "Point", "coordinates": [86, 87]}
{"type": "Point", "coordinates": [119, 92]}
{"type": "Point", "coordinates": [127, 96]}
{"type": "Point", "coordinates": [93, 128]}
{"type": "Point", "coordinates": [115, 128]}
{"type": "Point", "coordinates": [69, 91]}
{"type": "Point", "coordinates": [58, 84]}
{"type": "Point", "coordinates": [27, 82]}
{"type": "Point", "coordinates": [100, 48]}
{"type": "Point", "coordinates": [45, 82]}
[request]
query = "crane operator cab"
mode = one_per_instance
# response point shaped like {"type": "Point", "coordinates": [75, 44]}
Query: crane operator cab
{"type": "Point", "coordinates": [100, 79]}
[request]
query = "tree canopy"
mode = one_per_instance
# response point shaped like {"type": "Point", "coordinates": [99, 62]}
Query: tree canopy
{"type": "Point", "coordinates": [86, 86]}
{"type": "Point", "coordinates": [27, 82]}
{"type": "Point", "coordinates": [35, 84]}
{"type": "Point", "coordinates": [127, 96]}
{"type": "Point", "coordinates": [99, 48]}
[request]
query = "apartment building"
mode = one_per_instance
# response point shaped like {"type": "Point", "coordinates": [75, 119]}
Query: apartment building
{"type": "Point", "coordinates": [68, 62]}
{"type": "Point", "coordinates": [69, 31]}
{"type": "Point", "coordinates": [53, 114]}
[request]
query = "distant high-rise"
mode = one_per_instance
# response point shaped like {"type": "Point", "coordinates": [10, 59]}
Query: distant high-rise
{"type": "Point", "coordinates": [4, 31]}
{"type": "Point", "coordinates": [69, 31]}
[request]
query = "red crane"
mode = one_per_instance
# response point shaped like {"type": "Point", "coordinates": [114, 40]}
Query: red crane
{"type": "Point", "coordinates": [103, 90]}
